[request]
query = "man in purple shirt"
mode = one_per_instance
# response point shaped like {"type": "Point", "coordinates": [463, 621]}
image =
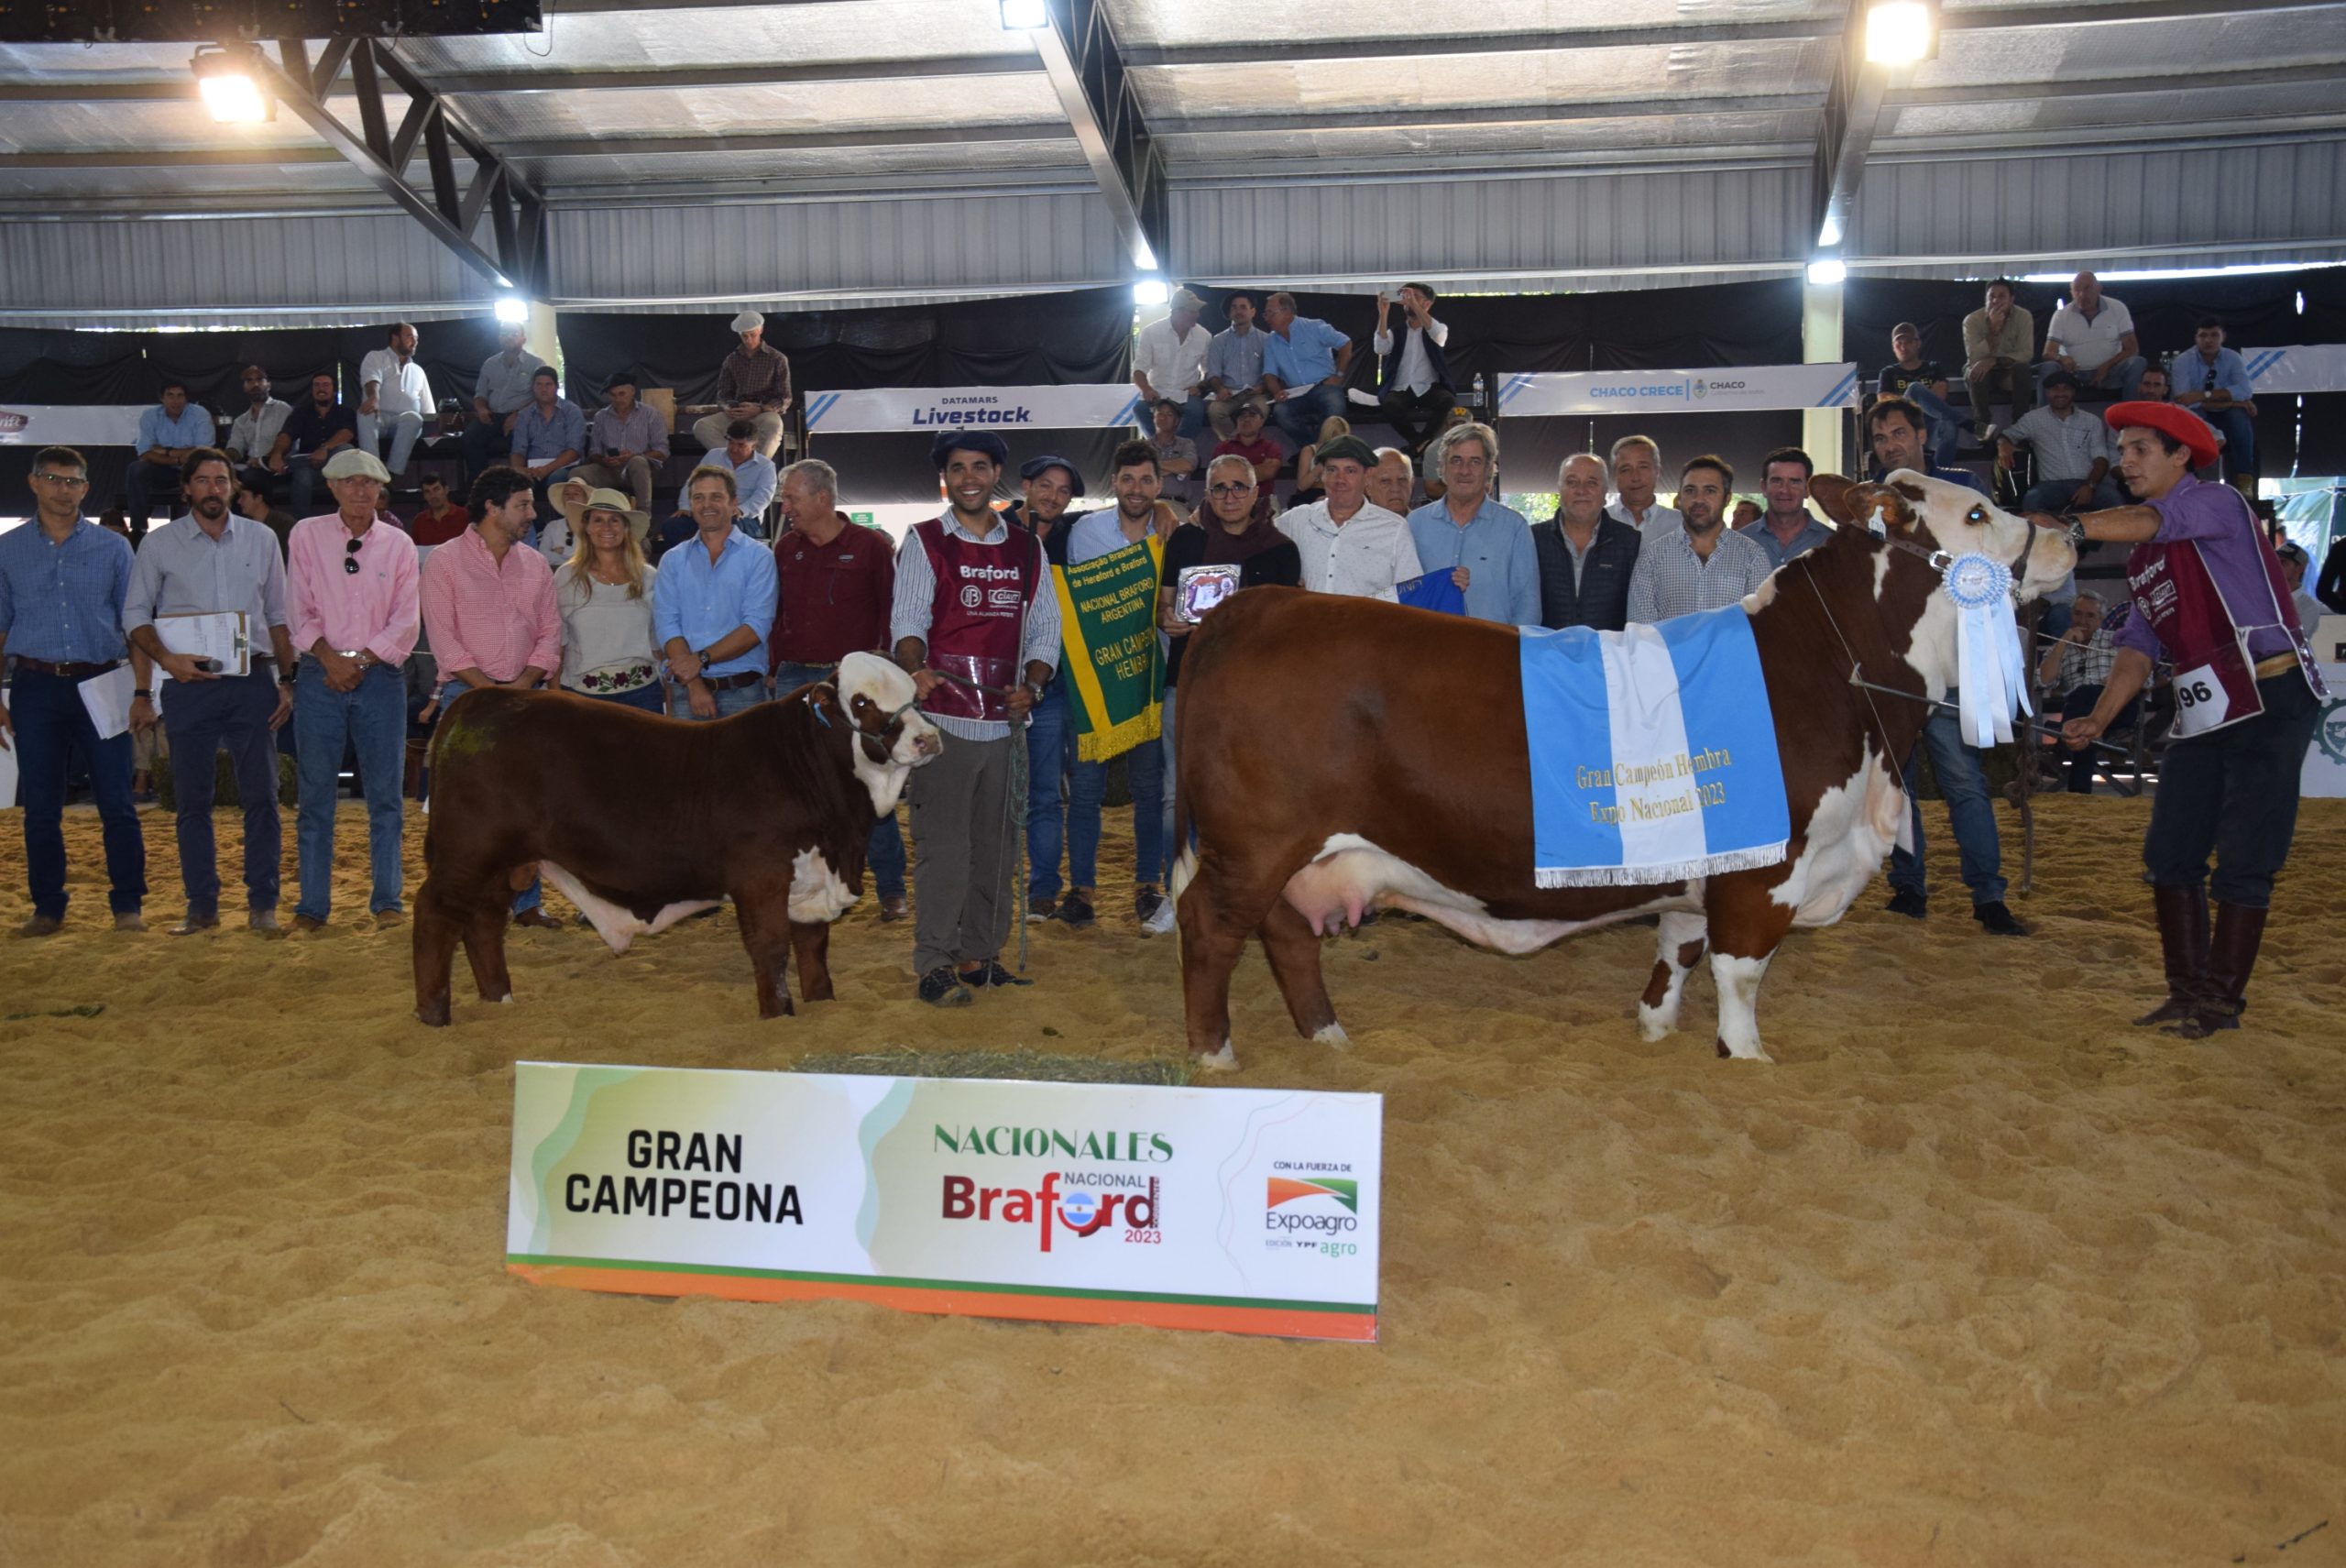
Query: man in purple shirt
{"type": "Point", "coordinates": [2201, 572]}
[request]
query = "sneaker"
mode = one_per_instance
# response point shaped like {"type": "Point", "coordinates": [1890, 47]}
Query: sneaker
{"type": "Point", "coordinates": [1910, 903]}
{"type": "Point", "coordinates": [1041, 909]}
{"type": "Point", "coordinates": [1146, 902]}
{"type": "Point", "coordinates": [1164, 917]}
{"type": "Point", "coordinates": [1076, 910]}
{"type": "Point", "coordinates": [940, 987]}
{"type": "Point", "coordinates": [892, 910]}
{"type": "Point", "coordinates": [992, 974]}
{"type": "Point", "coordinates": [1998, 919]}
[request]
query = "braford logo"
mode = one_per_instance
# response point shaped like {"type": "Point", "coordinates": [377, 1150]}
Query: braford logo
{"type": "Point", "coordinates": [1089, 1204]}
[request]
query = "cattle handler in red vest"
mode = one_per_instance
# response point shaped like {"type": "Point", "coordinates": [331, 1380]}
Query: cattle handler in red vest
{"type": "Point", "coordinates": [977, 625]}
{"type": "Point", "coordinates": [2208, 595]}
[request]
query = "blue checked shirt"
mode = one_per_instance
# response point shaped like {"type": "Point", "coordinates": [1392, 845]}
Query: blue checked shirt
{"type": "Point", "coordinates": [538, 439]}
{"type": "Point", "coordinates": [62, 603]}
{"type": "Point", "coordinates": [1671, 580]}
{"type": "Point", "coordinates": [192, 428]}
{"type": "Point", "coordinates": [703, 602]}
{"type": "Point", "coordinates": [1495, 548]}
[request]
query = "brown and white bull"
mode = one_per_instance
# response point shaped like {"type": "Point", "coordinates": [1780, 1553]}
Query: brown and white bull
{"type": "Point", "coordinates": [643, 821]}
{"type": "Point", "coordinates": [1342, 754]}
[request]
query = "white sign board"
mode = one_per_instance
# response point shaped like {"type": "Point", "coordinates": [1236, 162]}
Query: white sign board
{"type": "Point", "coordinates": [68, 424]}
{"type": "Point", "coordinates": [1084, 407]}
{"type": "Point", "coordinates": [1738, 388]}
{"type": "Point", "coordinates": [2316, 368]}
{"type": "Point", "coordinates": [1245, 1210]}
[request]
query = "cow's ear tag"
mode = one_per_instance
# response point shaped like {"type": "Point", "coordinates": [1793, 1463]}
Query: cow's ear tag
{"type": "Point", "coordinates": [1874, 524]}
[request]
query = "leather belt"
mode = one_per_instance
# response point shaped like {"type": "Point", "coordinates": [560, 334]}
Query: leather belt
{"type": "Point", "coordinates": [727, 682]}
{"type": "Point", "coordinates": [69, 671]}
{"type": "Point", "coordinates": [2278, 664]}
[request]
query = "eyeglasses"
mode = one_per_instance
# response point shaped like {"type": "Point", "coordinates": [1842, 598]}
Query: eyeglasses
{"type": "Point", "coordinates": [68, 481]}
{"type": "Point", "coordinates": [350, 556]}
{"type": "Point", "coordinates": [1228, 489]}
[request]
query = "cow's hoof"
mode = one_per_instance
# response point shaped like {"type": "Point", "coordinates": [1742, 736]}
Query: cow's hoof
{"type": "Point", "coordinates": [436, 1014]}
{"type": "Point", "coordinates": [785, 1011]}
{"type": "Point", "coordinates": [1222, 1060]}
{"type": "Point", "coordinates": [1652, 1024]}
{"type": "Point", "coordinates": [1330, 1033]}
{"type": "Point", "coordinates": [1756, 1053]}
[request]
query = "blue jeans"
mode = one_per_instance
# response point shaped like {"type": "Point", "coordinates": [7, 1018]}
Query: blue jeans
{"type": "Point", "coordinates": [200, 718]}
{"type": "Point", "coordinates": [1087, 785]}
{"type": "Point", "coordinates": [531, 897]}
{"type": "Point", "coordinates": [1302, 416]}
{"type": "Point", "coordinates": [884, 852]}
{"type": "Point", "coordinates": [302, 482]}
{"type": "Point", "coordinates": [2052, 495]}
{"type": "Point", "coordinates": [1050, 753]}
{"type": "Point", "coordinates": [2126, 377]}
{"type": "Point", "coordinates": [143, 484]}
{"type": "Point", "coordinates": [648, 698]}
{"type": "Point", "coordinates": [372, 721]}
{"type": "Point", "coordinates": [1965, 787]}
{"type": "Point", "coordinates": [1171, 851]}
{"type": "Point", "coordinates": [2239, 438]}
{"type": "Point", "coordinates": [51, 723]}
{"type": "Point", "coordinates": [1947, 425]}
{"type": "Point", "coordinates": [730, 700]}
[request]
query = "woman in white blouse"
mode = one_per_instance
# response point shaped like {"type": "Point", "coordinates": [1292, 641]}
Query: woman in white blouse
{"type": "Point", "coordinates": [604, 592]}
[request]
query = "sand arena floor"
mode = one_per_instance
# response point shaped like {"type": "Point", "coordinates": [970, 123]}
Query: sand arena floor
{"type": "Point", "coordinates": [1976, 1275]}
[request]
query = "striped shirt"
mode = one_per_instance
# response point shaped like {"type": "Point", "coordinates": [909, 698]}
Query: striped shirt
{"type": "Point", "coordinates": [181, 570]}
{"type": "Point", "coordinates": [497, 617]}
{"type": "Point", "coordinates": [62, 603]}
{"type": "Point", "coordinates": [916, 607]}
{"type": "Point", "coordinates": [1671, 580]}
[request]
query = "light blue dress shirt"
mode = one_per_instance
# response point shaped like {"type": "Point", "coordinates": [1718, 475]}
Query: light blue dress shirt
{"type": "Point", "coordinates": [1306, 354]}
{"type": "Point", "coordinates": [62, 603]}
{"type": "Point", "coordinates": [702, 601]}
{"type": "Point", "coordinates": [192, 428]}
{"type": "Point", "coordinates": [1495, 549]}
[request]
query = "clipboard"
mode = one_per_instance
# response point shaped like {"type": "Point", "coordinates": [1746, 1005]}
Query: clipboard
{"type": "Point", "coordinates": [221, 636]}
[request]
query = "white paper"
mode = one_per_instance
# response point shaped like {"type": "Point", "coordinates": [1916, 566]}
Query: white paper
{"type": "Point", "coordinates": [108, 697]}
{"type": "Point", "coordinates": [216, 635]}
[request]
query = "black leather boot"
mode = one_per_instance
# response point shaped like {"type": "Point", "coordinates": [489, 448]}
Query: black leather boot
{"type": "Point", "coordinates": [2231, 957]}
{"type": "Point", "coordinates": [2183, 939]}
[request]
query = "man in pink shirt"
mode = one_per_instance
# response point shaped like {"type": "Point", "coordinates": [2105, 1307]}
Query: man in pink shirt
{"type": "Point", "coordinates": [489, 612]}
{"type": "Point", "coordinates": [350, 597]}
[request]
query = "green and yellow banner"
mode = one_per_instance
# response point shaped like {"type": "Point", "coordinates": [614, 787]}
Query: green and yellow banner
{"type": "Point", "coordinates": [1110, 654]}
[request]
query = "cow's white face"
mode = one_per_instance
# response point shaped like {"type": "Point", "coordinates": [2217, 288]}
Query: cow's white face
{"type": "Point", "coordinates": [1938, 514]}
{"type": "Point", "coordinates": [893, 736]}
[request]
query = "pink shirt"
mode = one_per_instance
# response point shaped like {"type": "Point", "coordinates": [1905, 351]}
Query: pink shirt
{"type": "Point", "coordinates": [483, 614]}
{"type": "Point", "coordinates": [372, 608]}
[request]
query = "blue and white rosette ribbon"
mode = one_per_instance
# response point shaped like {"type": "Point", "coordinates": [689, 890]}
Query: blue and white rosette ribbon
{"type": "Point", "coordinates": [1993, 675]}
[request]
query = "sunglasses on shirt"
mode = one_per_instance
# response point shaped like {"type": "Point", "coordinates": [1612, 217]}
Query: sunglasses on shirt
{"type": "Point", "coordinates": [350, 558]}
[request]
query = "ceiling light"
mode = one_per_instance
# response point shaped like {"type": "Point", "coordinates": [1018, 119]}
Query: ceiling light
{"type": "Point", "coordinates": [513, 311]}
{"type": "Point", "coordinates": [1023, 16]}
{"type": "Point", "coordinates": [1899, 32]}
{"type": "Point", "coordinates": [230, 89]}
{"type": "Point", "coordinates": [1150, 292]}
{"type": "Point", "coordinates": [1827, 272]}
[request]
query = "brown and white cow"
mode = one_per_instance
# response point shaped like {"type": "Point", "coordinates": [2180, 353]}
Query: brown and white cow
{"type": "Point", "coordinates": [643, 820]}
{"type": "Point", "coordinates": [1343, 754]}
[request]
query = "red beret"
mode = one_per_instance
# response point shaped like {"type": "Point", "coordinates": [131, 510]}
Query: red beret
{"type": "Point", "coordinates": [2172, 419]}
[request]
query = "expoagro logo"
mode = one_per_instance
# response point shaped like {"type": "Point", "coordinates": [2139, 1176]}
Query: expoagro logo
{"type": "Point", "coordinates": [1312, 1207]}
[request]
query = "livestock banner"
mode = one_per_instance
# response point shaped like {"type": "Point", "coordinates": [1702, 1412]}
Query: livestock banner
{"type": "Point", "coordinates": [1245, 1211]}
{"type": "Point", "coordinates": [2304, 367]}
{"type": "Point", "coordinates": [68, 424]}
{"type": "Point", "coordinates": [1085, 406]}
{"type": "Point", "coordinates": [1733, 388]}
{"type": "Point", "coordinates": [1109, 651]}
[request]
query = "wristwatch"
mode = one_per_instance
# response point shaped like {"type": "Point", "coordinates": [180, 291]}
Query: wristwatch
{"type": "Point", "coordinates": [1032, 690]}
{"type": "Point", "coordinates": [363, 657]}
{"type": "Point", "coordinates": [144, 691]}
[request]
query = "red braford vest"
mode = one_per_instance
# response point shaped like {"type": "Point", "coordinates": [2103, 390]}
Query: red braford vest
{"type": "Point", "coordinates": [978, 617]}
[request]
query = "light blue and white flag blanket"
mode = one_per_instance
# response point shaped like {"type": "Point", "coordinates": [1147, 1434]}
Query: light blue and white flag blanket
{"type": "Point", "coordinates": [1653, 753]}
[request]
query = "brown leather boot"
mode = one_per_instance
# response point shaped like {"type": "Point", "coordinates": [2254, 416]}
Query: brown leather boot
{"type": "Point", "coordinates": [2183, 939]}
{"type": "Point", "coordinates": [2232, 957]}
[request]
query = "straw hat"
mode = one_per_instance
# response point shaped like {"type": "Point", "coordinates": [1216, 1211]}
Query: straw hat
{"type": "Point", "coordinates": [572, 498]}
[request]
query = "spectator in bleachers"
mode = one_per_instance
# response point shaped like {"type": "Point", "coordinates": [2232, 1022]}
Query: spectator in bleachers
{"type": "Point", "coordinates": [1486, 545]}
{"type": "Point", "coordinates": [753, 384]}
{"type": "Point", "coordinates": [1923, 383]}
{"type": "Point", "coordinates": [1376, 551]}
{"type": "Point", "coordinates": [1787, 530]}
{"type": "Point", "coordinates": [754, 480]}
{"type": "Point", "coordinates": [166, 435]}
{"type": "Point", "coordinates": [1413, 385]}
{"type": "Point", "coordinates": [550, 435]}
{"type": "Point", "coordinates": [1897, 431]}
{"type": "Point", "coordinates": [2073, 669]}
{"type": "Point", "coordinates": [307, 442]}
{"type": "Point", "coordinates": [1636, 463]}
{"type": "Point", "coordinates": [2072, 449]}
{"type": "Point", "coordinates": [712, 605]}
{"type": "Point", "coordinates": [1234, 367]}
{"type": "Point", "coordinates": [499, 394]}
{"type": "Point", "coordinates": [253, 437]}
{"type": "Point", "coordinates": [1701, 564]}
{"type": "Point", "coordinates": [2154, 387]}
{"type": "Point", "coordinates": [1304, 362]}
{"type": "Point", "coordinates": [1177, 454]}
{"type": "Point", "coordinates": [252, 501]}
{"type": "Point", "coordinates": [1585, 557]}
{"type": "Point", "coordinates": [2294, 564]}
{"type": "Point", "coordinates": [2092, 337]}
{"type": "Point", "coordinates": [1247, 440]}
{"type": "Point", "coordinates": [443, 518]}
{"type": "Point", "coordinates": [1999, 342]}
{"type": "Point", "coordinates": [628, 439]}
{"type": "Point", "coordinates": [1170, 362]}
{"type": "Point", "coordinates": [394, 395]}
{"type": "Point", "coordinates": [1393, 483]}
{"type": "Point", "coordinates": [1307, 486]}
{"type": "Point", "coordinates": [2212, 381]}
{"type": "Point", "coordinates": [351, 602]}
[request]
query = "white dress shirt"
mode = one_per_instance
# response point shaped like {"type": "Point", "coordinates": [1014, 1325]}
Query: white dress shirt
{"type": "Point", "coordinates": [1364, 556]}
{"type": "Point", "coordinates": [1415, 373]}
{"type": "Point", "coordinates": [1173, 364]}
{"type": "Point", "coordinates": [401, 388]}
{"type": "Point", "coordinates": [1658, 519]}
